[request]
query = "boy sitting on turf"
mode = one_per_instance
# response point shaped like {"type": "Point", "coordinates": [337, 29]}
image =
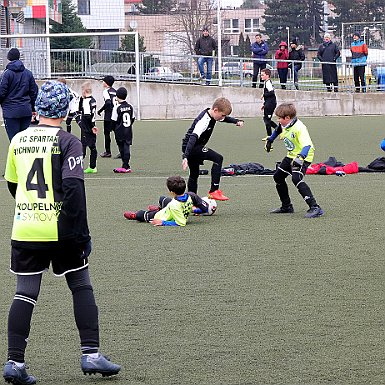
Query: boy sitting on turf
{"type": "Point", "coordinates": [194, 147]}
{"type": "Point", "coordinates": [171, 211]}
{"type": "Point", "coordinates": [300, 154]}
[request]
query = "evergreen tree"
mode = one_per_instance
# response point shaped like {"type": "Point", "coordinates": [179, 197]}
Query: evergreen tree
{"type": "Point", "coordinates": [241, 46]}
{"type": "Point", "coordinates": [128, 43]}
{"type": "Point", "coordinates": [303, 18]}
{"type": "Point", "coordinates": [247, 46]}
{"type": "Point", "coordinates": [71, 22]}
{"type": "Point", "coordinates": [251, 4]}
{"type": "Point", "coordinates": [157, 6]}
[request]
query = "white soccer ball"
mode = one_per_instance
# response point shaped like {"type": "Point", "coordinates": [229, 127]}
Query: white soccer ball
{"type": "Point", "coordinates": [212, 205]}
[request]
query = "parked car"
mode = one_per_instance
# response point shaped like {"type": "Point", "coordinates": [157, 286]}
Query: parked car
{"type": "Point", "coordinates": [163, 73]}
{"type": "Point", "coordinates": [233, 69]}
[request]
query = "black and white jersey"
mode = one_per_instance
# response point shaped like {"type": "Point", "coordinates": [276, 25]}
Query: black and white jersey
{"type": "Point", "coordinates": [269, 93]}
{"type": "Point", "coordinates": [201, 130]}
{"type": "Point", "coordinates": [109, 96]}
{"type": "Point", "coordinates": [123, 115]}
{"type": "Point", "coordinates": [87, 108]}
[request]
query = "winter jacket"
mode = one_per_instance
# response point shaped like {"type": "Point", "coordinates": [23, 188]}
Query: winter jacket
{"type": "Point", "coordinates": [18, 91]}
{"type": "Point", "coordinates": [259, 51]}
{"type": "Point", "coordinates": [297, 56]}
{"type": "Point", "coordinates": [328, 52]}
{"type": "Point", "coordinates": [282, 55]}
{"type": "Point", "coordinates": [205, 46]}
{"type": "Point", "coordinates": [359, 52]}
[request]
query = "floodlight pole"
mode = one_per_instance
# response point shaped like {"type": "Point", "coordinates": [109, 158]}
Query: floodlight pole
{"type": "Point", "coordinates": [48, 40]}
{"type": "Point", "coordinates": [288, 37]}
{"type": "Point", "coordinates": [219, 53]}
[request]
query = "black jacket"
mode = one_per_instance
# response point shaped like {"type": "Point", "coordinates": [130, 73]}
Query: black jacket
{"type": "Point", "coordinates": [297, 56]}
{"type": "Point", "coordinates": [18, 91]}
{"type": "Point", "coordinates": [205, 46]}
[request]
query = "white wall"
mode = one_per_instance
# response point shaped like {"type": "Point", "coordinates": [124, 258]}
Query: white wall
{"type": "Point", "coordinates": [105, 14]}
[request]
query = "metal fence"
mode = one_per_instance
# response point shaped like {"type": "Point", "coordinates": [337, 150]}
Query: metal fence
{"type": "Point", "coordinates": [237, 72]}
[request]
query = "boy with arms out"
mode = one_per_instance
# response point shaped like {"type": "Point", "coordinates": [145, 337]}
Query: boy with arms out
{"type": "Point", "coordinates": [194, 147]}
{"type": "Point", "coordinates": [109, 95]}
{"type": "Point", "coordinates": [171, 211]}
{"type": "Point", "coordinates": [299, 157]}
{"type": "Point", "coordinates": [50, 227]}
{"type": "Point", "coordinates": [123, 116]}
{"type": "Point", "coordinates": [269, 100]}
{"type": "Point", "coordinates": [86, 121]}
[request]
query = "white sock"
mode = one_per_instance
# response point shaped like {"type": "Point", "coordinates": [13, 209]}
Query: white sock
{"type": "Point", "coordinates": [18, 364]}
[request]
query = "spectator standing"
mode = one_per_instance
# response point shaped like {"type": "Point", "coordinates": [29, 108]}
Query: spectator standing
{"type": "Point", "coordinates": [359, 52]}
{"type": "Point", "coordinates": [282, 53]}
{"type": "Point", "coordinates": [18, 92]}
{"type": "Point", "coordinates": [206, 47]}
{"type": "Point", "coordinates": [259, 51]}
{"type": "Point", "coordinates": [296, 56]}
{"type": "Point", "coordinates": [328, 53]}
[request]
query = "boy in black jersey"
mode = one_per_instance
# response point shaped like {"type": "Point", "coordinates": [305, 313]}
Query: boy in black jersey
{"type": "Point", "coordinates": [269, 101]}
{"type": "Point", "coordinates": [194, 147]}
{"type": "Point", "coordinates": [109, 95]}
{"type": "Point", "coordinates": [86, 121]}
{"type": "Point", "coordinates": [123, 118]}
{"type": "Point", "coordinates": [50, 229]}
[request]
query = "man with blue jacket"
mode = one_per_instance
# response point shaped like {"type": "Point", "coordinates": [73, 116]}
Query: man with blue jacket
{"type": "Point", "coordinates": [259, 50]}
{"type": "Point", "coordinates": [359, 52]}
{"type": "Point", "coordinates": [18, 92]}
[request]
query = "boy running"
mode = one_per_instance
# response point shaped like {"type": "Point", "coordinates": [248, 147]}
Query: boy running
{"type": "Point", "coordinates": [194, 147]}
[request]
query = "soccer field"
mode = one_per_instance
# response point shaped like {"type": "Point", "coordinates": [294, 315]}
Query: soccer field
{"type": "Point", "coordinates": [240, 298]}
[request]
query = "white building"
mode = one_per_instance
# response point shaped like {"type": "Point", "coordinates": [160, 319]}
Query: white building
{"type": "Point", "coordinates": [102, 16]}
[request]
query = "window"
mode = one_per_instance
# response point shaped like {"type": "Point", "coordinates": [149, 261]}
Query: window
{"type": "Point", "coordinates": [231, 25]}
{"type": "Point", "coordinates": [251, 25]}
{"type": "Point", "coordinates": [84, 7]}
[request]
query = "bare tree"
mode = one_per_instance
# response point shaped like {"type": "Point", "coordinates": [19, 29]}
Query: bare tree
{"type": "Point", "coordinates": [189, 22]}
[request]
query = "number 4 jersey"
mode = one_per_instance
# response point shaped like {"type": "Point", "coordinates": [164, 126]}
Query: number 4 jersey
{"type": "Point", "coordinates": [46, 163]}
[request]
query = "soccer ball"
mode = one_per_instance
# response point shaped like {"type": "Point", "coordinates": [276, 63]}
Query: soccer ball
{"type": "Point", "coordinates": [212, 206]}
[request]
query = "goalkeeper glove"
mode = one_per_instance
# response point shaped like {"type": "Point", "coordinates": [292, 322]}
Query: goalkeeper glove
{"type": "Point", "coordinates": [268, 144]}
{"type": "Point", "coordinates": [297, 162]}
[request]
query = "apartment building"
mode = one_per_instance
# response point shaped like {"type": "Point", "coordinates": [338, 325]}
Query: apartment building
{"type": "Point", "coordinates": [102, 16]}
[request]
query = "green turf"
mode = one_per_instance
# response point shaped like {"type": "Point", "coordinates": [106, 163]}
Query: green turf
{"type": "Point", "coordinates": [243, 297]}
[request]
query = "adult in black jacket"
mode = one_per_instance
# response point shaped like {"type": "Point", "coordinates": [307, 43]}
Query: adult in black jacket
{"type": "Point", "coordinates": [205, 46]}
{"type": "Point", "coordinates": [328, 53]}
{"type": "Point", "coordinates": [296, 56]}
{"type": "Point", "coordinates": [18, 92]}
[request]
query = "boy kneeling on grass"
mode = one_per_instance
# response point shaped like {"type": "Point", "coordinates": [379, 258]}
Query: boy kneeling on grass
{"type": "Point", "coordinates": [171, 211]}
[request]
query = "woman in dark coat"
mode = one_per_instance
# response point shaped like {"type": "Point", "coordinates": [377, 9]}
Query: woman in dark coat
{"type": "Point", "coordinates": [328, 53]}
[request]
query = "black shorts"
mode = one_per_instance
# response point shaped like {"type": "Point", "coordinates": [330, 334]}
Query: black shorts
{"type": "Point", "coordinates": [36, 261]}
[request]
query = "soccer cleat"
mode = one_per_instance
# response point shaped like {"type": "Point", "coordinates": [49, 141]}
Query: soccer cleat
{"type": "Point", "coordinates": [90, 170]}
{"type": "Point", "coordinates": [129, 215]}
{"type": "Point", "coordinates": [18, 376]}
{"type": "Point", "coordinates": [121, 170]}
{"type": "Point", "coordinates": [314, 212]}
{"type": "Point", "coordinates": [217, 195]}
{"type": "Point", "coordinates": [101, 364]}
{"type": "Point", "coordinates": [283, 210]}
{"type": "Point", "coordinates": [106, 154]}
{"type": "Point", "coordinates": [118, 156]}
{"type": "Point", "coordinates": [153, 208]}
